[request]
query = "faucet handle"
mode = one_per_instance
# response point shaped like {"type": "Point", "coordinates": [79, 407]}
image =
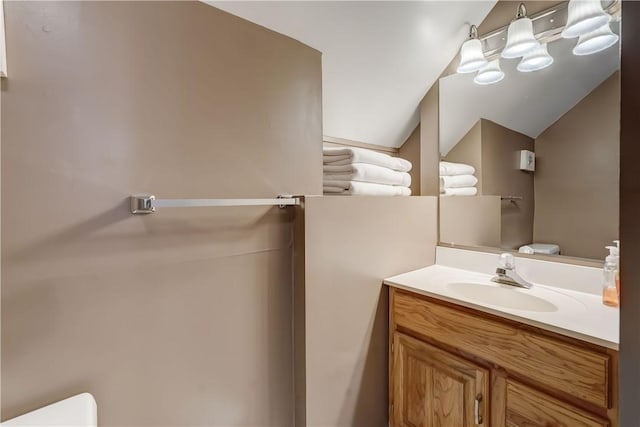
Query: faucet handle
{"type": "Point", "coordinates": [507, 261]}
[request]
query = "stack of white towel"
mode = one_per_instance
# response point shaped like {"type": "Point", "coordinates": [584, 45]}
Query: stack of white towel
{"type": "Point", "coordinates": [457, 179]}
{"type": "Point", "coordinates": [362, 172]}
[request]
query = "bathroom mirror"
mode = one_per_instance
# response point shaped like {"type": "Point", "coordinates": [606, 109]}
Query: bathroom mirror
{"type": "Point", "coordinates": [567, 116]}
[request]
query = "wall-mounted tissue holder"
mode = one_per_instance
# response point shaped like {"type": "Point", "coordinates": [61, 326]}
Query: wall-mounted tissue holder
{"type": "Point", "coordinates": [527, 161]}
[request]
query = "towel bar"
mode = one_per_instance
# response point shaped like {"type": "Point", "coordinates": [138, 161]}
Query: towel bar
{"type": "Point", "coordinates": [147, 203]}
{"type": "Point", "coordinates": [512, 199]}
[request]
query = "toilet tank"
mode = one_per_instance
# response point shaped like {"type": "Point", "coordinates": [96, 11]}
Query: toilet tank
{"type": "Point", "coordinates": [541, 248]}
{"type": "Point", "coordinates": [80, 410]}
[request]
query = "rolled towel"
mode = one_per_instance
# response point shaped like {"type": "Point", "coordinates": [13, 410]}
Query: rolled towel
{"type": "Point", "coordinates": [364, 172]}
{"type": "Point", "coordinates": [464, 191]}
{"type": "Point", "coordinates": [348, 155]}
{"type": "Point", "coordinates": [457, 181]}
{"type": "Point", "coordinates": [449, 169]}
{"type": "Point", "coordinates": [355, 188]}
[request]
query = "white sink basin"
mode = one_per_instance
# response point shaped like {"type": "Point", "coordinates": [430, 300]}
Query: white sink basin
{"type": "Point", "coordinates": [509, 297]}
{"type": "Point", "coordinates": [561, 310]}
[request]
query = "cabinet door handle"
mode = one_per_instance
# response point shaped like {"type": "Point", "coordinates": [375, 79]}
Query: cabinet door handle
{"type": "Point", "coordinates": [476, 409]}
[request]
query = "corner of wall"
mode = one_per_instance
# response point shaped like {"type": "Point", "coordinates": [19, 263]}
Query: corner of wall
{"type": "Point", "coordinates": [430, 142]}
{"type": "Point", "coordinates": [410, 150]}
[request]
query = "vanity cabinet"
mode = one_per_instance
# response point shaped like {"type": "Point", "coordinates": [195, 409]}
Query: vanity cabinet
{"type": "Point", "coordinates": [454, 366]}
{"type": "Point", "coordinates": [435, 388]}
{"type": "Point", "coordinates": [525, 407]}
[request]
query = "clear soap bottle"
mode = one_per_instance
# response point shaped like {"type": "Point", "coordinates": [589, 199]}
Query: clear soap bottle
{"type": "Point", "coordinates": [610, 295]}
{"type": "Point", "coordinates": [617, 242]}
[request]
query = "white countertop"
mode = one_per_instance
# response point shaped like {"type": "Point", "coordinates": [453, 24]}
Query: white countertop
{"type": "Point", "coordinates": [567, 312]}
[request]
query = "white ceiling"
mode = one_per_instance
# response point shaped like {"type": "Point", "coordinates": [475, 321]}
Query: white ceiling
{"type": "Point", "coordinates": [525, 102]}
{"type": "Point", "coordinates": [379, 57]}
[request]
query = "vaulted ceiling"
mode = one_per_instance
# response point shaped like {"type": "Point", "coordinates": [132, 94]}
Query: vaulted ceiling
{"type": "Point", "coordinates": [379, 57]}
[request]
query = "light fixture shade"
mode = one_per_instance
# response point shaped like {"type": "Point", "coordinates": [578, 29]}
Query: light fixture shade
{"type": "Point", "coordinates": [489, 74]}
{"type": "Point", "coordinates": [595, 41]}
{"type": "Point", "coordinates": [520, 39]}
{"type": "Point", "coordinates": [535, 60]}
{"type": "Point", "coordinates": [584, 17]}
{"type": "Point", "coordinates": [471, 57]}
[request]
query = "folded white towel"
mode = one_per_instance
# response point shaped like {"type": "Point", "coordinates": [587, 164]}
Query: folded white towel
{"type": "Point", "coordinates": [347, 155]}
{"type": "Point", "coordinates": [364, 172]}
{"type": "Point", "coordinates": [457, 181]}
{"type": "Point", "coordinates": [448, 169]}
{"type": "Point", "coordinates": [464, 191]}
{"type": "Point", "coordinates": [355, 188]}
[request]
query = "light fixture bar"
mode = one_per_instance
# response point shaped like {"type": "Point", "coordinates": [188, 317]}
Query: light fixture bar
{"type": "Point", "coordinates": [547, 26]}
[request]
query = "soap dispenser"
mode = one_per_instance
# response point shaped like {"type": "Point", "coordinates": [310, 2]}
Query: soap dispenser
{"type": "Point", "coordinates": [610, 295]}
{"type": "Point", "coordinates": [617, 242]}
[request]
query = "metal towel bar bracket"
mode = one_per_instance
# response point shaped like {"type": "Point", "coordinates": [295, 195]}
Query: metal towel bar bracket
{"type": "Point", "coordinates": [147, 203]}
{"type": "Point", "coordinates": [512, 199]}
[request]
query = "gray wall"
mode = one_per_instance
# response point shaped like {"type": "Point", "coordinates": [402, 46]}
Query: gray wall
{"type": "Point", "coordinates": [183, 317]}
{"type": "Point", "coordinates": [577, 173]}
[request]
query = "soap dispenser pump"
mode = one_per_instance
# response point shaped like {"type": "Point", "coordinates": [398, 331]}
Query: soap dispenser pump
{"type": "Point", "coordinates": [610, 295]}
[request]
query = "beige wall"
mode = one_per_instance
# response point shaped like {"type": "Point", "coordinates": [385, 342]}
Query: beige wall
{"type": "Point", "coordinates": [182, 317]}
{"type": "Point", "coordinates": [348, 252]}
{"type": "Point", "coordinates": [410, 150]}
{"type": "Point", "coordinates": [470, 221]}
{"type": "Point", "coordinates": [576, 179]}
{"type": "Point", "coordinates": [501, 177]}
{"type": "Point", "coordinates": [469, 151]}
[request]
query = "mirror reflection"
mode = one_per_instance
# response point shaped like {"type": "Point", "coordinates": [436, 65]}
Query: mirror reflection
{"type": "Point", "coordinates": [530, 163]}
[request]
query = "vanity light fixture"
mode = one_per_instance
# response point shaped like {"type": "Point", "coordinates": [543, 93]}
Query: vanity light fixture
{"type": "Point", "coordinates": [585, 19]}
{"type": "Point", "coordinates": [535, 60]}
{"type": "Point", "coordinates": [584, 16]}
{"type": "Point", "coordinates": [520, 38]}
{"type": "Point", "coordinates": [471, 55]}
{"type": "Point", "coordinates": [595, 41]}
{"type": "Point", "coordinates": [489, 74]}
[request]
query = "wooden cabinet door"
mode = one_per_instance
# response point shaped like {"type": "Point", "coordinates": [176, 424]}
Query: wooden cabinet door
{"type": "Point", "coordinates": [434, 388]}
{"type": "Point", "coordinates": [525, 407]}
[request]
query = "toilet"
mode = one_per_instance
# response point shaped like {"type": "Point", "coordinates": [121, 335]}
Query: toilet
{"type": "Point", "coordinates": [540, 248]}
{"type": "Point", "coordinates": [80, 410]}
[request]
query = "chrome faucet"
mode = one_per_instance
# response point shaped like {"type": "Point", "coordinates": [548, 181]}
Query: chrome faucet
{"type": "Point", "coordinates": [506, 273]}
